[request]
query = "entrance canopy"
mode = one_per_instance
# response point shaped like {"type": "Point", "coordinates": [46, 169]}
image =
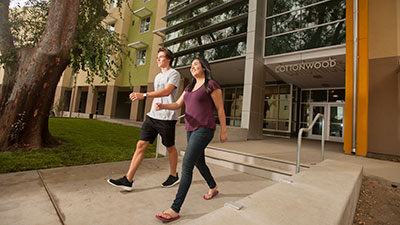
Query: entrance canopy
{"type": "Point", "coordinates": [312, 69]}
{"type": "Point", "coordinates": [227, 71]}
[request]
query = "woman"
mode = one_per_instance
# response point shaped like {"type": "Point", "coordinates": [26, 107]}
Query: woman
{"type": "Point", "coordinates": [199, 97]}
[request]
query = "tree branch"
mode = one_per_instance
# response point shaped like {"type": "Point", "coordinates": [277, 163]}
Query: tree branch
{"type": "Point", "coordinates": [69, 30]}
{"type": "Point", "coordinates": [6, 39]}
{"type": "Point", "coordinates": [60, 27]}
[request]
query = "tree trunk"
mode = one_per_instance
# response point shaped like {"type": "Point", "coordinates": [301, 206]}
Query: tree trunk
{"type": "Point", "coordinates": [25, 116]}
{"type": "Point", "coordinates": [30, 83]}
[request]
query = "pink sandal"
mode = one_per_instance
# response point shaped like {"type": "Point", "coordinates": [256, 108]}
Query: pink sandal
{"type": "Point", "coordinates": [166, 220]}
{"type": "Point", "coordinates": [207, 197]}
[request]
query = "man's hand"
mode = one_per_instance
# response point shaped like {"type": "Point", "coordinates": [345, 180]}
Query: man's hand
{"type": "Point", "coordinates": [132, 96]}
{"type": "Point", "coordinates": [136, 96]}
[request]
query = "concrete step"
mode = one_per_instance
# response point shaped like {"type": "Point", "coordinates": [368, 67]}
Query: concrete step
{"type": "Point", "coordinates": [260, 171]}
{"type": "Point", "coordinates": [274, 169]}
{"type": "Point", "coordinates": [324, 194]}
{"type": "Point", "coordinates": [254, 160]}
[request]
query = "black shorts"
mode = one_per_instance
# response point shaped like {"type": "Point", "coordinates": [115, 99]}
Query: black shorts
{"type": "Point", "coordinates": [166, 128]}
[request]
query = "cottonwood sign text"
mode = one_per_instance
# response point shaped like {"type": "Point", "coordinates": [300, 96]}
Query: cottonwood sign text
{"type": "Point", "coordinates": [306, 66]}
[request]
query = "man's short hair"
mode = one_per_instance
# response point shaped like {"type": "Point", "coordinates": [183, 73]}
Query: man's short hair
{"type": "Point", "coordinates": [168, 54]}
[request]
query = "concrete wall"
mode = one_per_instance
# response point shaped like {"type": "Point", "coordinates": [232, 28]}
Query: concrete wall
{"type": "Point", "coordinates": [384, 83]}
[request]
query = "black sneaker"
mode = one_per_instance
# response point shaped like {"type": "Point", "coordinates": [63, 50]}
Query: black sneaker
{"type": "Point", "coordinates": [171, 181]}
{"type": "Point", "coordinates": [121, 183]}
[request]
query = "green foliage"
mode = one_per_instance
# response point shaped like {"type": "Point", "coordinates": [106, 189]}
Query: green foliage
{"type": "Point", "coordinates": [96, 49]}
{"type": "Point", "coordinates": [86, 142]}
{"type": "Point", "coordinates": [28, 23]}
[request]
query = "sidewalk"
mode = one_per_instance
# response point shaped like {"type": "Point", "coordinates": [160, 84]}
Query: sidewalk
{"type": "Point", "coordinates": [84, 197]}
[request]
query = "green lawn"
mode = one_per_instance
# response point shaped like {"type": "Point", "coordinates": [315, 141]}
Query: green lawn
{"type": "Point", "coordinates": [87, 142]}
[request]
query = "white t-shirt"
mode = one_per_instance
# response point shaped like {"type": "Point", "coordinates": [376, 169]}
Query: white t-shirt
{"type": "Point", "coordinates": [160, 82]}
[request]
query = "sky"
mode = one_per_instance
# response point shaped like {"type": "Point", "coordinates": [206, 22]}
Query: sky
{"type": "Point", "coordinates": [14, 3]}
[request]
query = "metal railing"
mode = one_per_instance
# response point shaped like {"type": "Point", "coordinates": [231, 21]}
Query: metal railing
{"type": "Point", "coordinates": [319, 115]}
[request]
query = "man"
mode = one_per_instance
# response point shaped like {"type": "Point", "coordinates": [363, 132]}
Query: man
{"type": "Point", "coordinates": [160, 122]}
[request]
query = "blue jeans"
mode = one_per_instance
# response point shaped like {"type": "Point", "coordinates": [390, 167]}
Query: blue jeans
{"type": "Point", "coordinates": [197, 142]}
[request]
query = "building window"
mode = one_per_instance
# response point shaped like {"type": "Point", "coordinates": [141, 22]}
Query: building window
{"type": "Point", "coordinates": [174, 5]}
{"type": "Point", "coordinates": [300, 25]}
{"type": "Point", "coordinates": [111, 27]}
{"type": "Point", "coordinates": [337, 95]}
{"type": "Point", "coordinates": [278, 102]}
{"type": "Point", "coordinates": [140, 57]}
{"type": "Point", "coordinates": [145, 24]}
{"type": "Point", "coordinates": [231, 49]}
{"type": "Point", "coordinates": [212, 29]}
{"type": "Point", "coordinates": [233, 100]}
{"type": "Point", "coordinates": [113, 4]}
{"type": "Point", "coordinates": [225, 15]}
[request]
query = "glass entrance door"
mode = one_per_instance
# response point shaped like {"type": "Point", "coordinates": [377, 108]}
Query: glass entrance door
{"type": "Point", "coordinates": [334, 120]}
{"type": "Point", "coordinates": [316, 131]}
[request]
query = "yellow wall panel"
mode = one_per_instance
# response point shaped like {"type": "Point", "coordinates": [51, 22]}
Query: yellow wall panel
{"type": "Point", "coordinates": [363, 81]}
{"type": "Point", "coordinates": [348, 123]}
{"type": "Point", "coordinates": [362, 19]}
{"type": "Point", "coordinates": [362, 99]}
{"type": "Point", "coordinates": [363, 74]}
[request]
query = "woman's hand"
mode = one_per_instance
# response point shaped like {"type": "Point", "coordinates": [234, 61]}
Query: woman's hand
{"type": "Point", "coordinates": [223, 137]}
{"type": "Point", "coordinates": [159, 106]}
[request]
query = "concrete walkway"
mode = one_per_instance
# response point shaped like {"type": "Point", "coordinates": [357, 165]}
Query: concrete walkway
{"type": "Point", "coordinates": [83, 196]}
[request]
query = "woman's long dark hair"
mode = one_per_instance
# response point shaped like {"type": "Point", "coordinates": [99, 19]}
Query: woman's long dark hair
{"type": "Point", "coordinates": [207, 75]}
